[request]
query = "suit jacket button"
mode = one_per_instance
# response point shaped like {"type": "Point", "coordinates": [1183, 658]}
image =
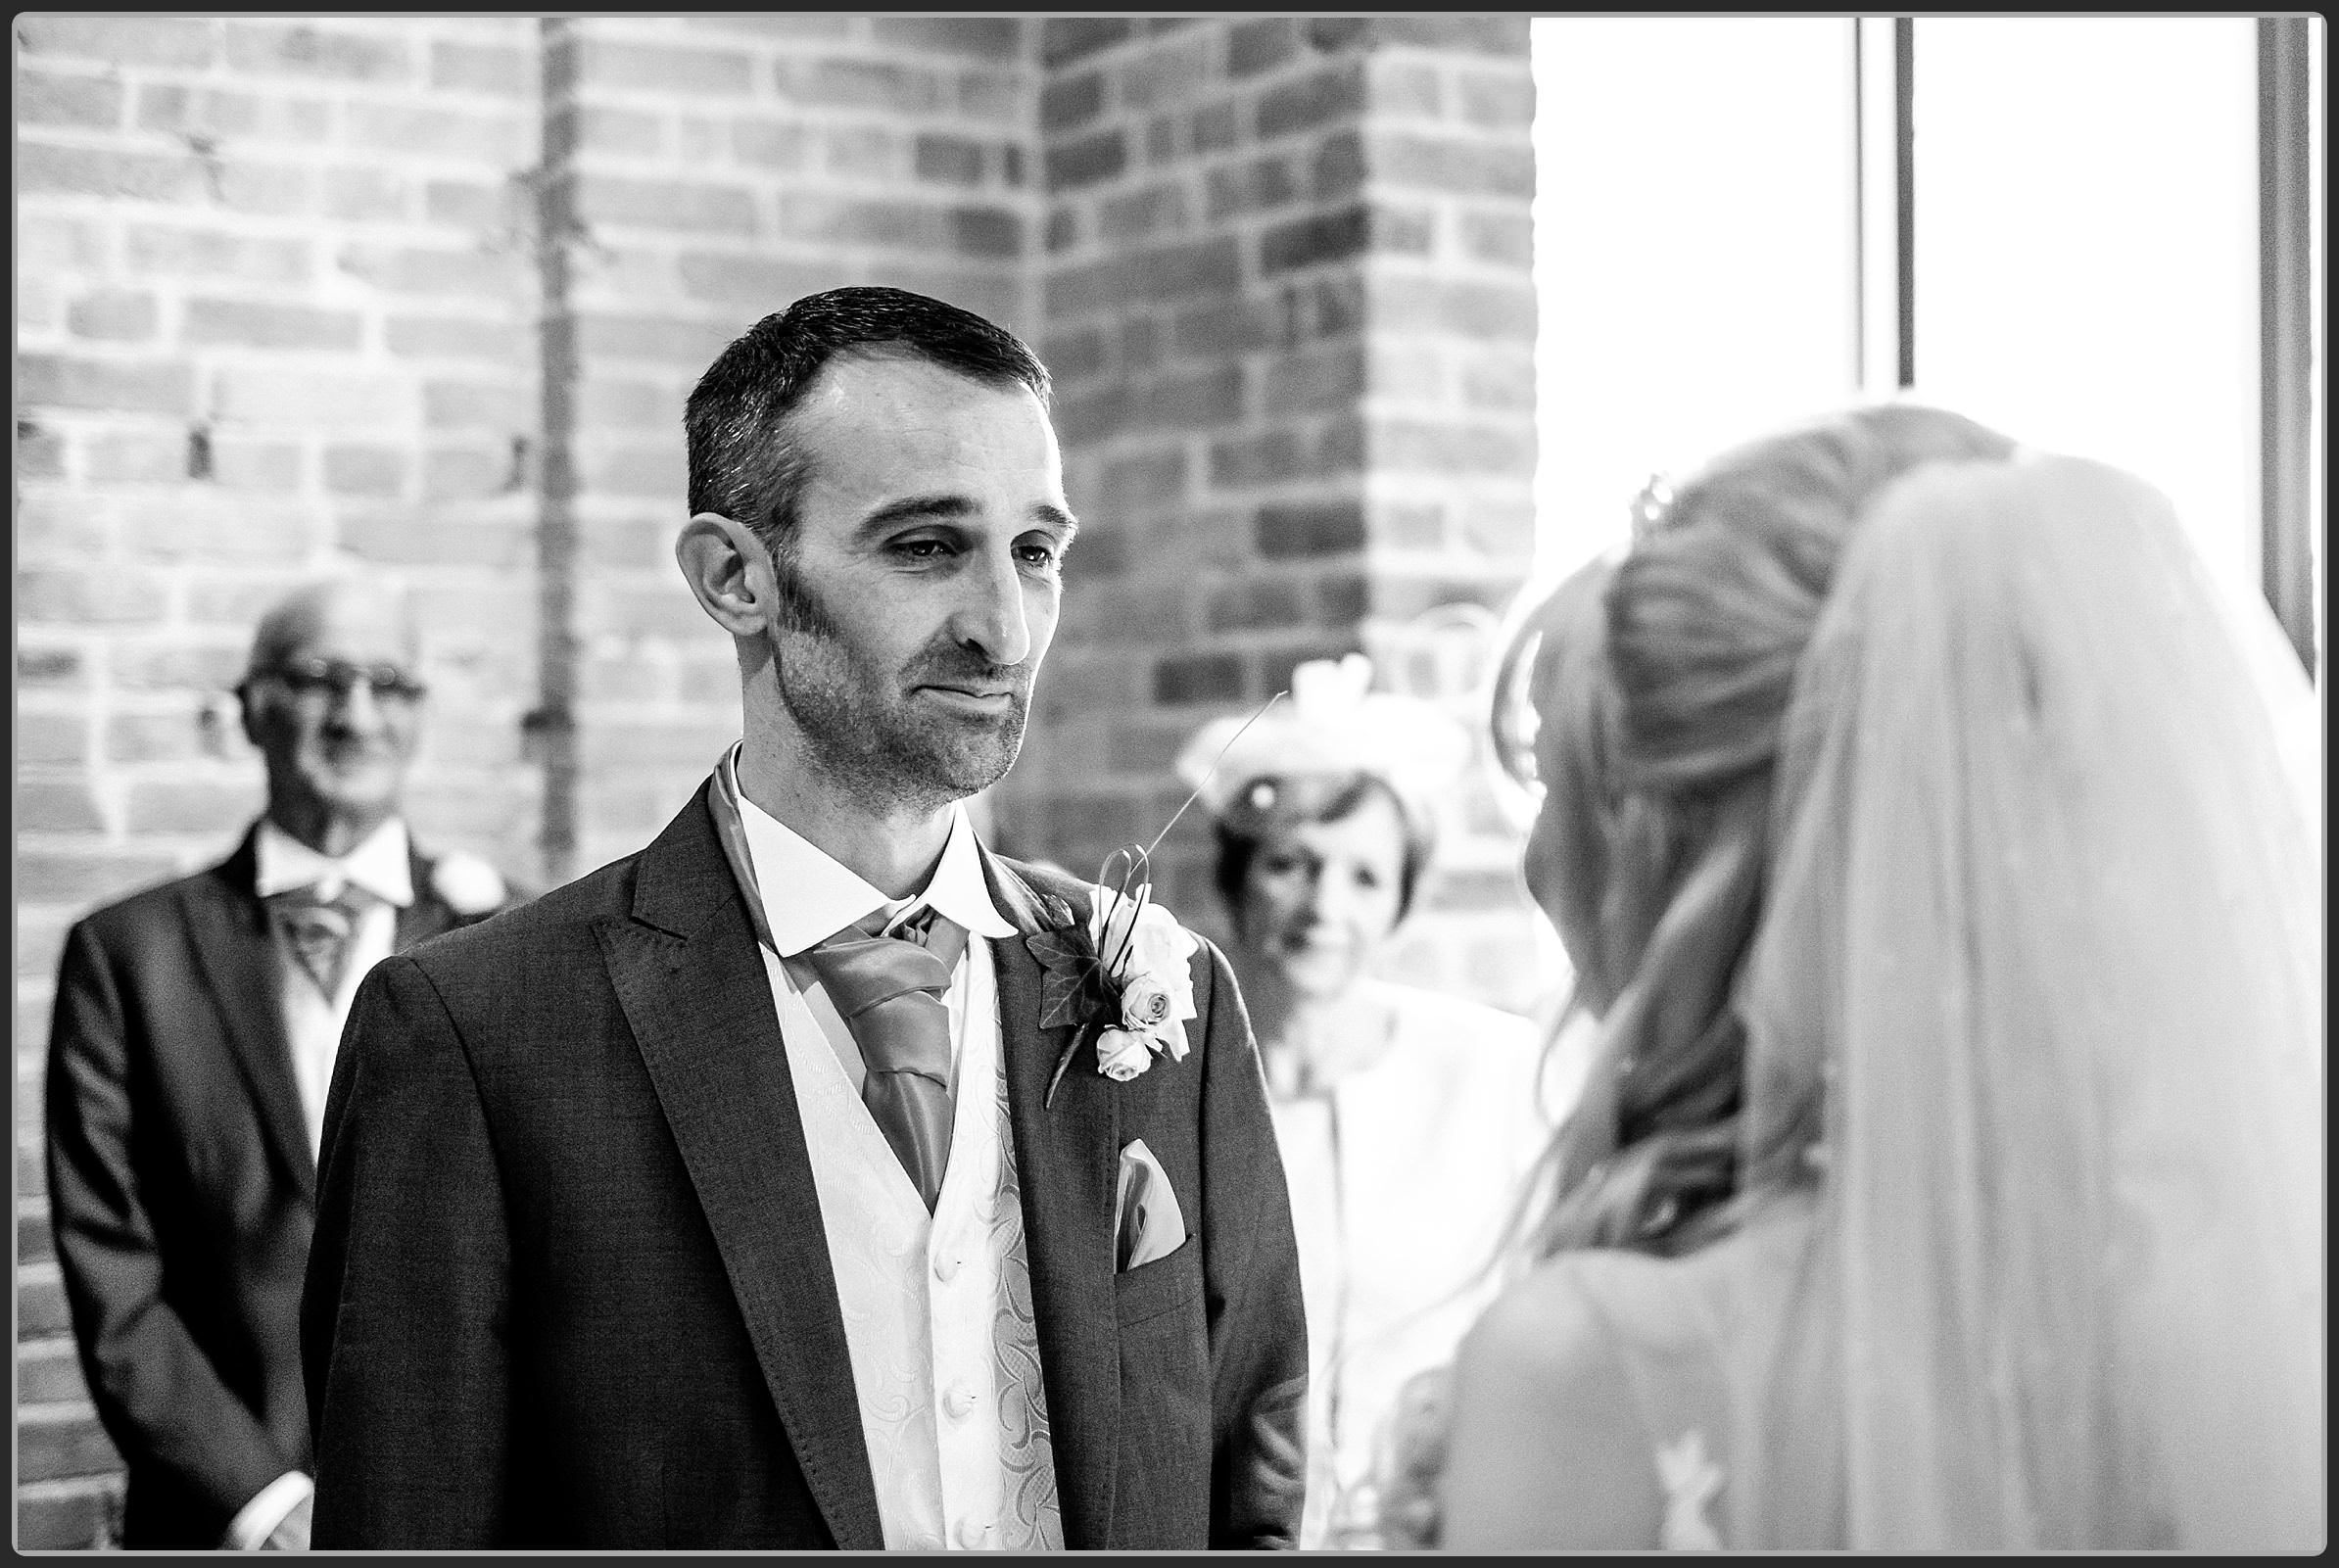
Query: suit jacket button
{"type": "Point", "coordinates": [959, 1402]}
{"type": "Point", "coordinates": [945, 1269]}
{"type": "Point", "coordinates": [971, 1535]}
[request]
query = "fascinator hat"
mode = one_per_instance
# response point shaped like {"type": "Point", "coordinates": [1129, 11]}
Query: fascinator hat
{"type": "Point", "coordinates": [1334, 726]}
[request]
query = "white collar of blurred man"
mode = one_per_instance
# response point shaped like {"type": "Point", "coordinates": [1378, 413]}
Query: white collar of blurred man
{"type": "Point", "coordinates": [888, 645]}
{"type": "Point", "coordinates": [331, 699]}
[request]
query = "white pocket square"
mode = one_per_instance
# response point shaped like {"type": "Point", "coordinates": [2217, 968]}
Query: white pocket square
{"type": "Point", "coordinates": [1151, 1225]}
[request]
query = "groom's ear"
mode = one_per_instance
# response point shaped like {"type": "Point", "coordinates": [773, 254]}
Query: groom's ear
{"type": "Point", "coordinates": [730, 571]}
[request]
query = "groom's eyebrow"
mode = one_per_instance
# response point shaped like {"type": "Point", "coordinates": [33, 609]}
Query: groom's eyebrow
{"type": "Point", "coordinates": [952, 509]}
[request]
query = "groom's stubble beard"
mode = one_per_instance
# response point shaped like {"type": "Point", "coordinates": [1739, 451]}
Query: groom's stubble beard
{"type": "Point", "coordinates": [862, 729]}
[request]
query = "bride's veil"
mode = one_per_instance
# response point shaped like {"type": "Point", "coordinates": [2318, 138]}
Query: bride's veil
{"type": "Point", "coordinates": [2041, 973]}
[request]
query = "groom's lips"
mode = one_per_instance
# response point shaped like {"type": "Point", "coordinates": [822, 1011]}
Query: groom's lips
{"type": "Point", "coordinates": [978, 699]}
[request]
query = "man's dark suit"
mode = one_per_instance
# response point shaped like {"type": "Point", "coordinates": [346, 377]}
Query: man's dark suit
{"type": "Point", "coordinates": [570, 1285]}
{"type": "Point", "coordinates": [182, 1191]}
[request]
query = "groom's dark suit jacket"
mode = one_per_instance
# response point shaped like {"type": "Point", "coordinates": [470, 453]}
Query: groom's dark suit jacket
{"type": "Point", "coordinates": [570, 1286]}
{"type": "Point", "coordinates": [181, 1190]}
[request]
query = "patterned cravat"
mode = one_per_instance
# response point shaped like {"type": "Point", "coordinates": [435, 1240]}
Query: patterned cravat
{"type": "Point", "coordinates": [889, 991]}
{"type": "Point", "coordinates": [319, 930]}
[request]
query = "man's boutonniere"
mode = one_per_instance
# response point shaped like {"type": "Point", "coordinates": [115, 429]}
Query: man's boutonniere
{"type": "Point", "coordinates": [1121, 977]}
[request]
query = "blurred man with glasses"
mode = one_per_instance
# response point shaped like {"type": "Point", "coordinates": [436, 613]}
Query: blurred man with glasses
{"type": "Point", "coordinates": [194, 1036]}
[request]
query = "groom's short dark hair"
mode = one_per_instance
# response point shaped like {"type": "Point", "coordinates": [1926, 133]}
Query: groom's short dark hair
{"type": "Point", "coordinates": [743, 463]}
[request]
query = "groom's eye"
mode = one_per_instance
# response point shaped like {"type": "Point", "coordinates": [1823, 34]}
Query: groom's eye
{"type": "Point", "coordinates": [920, 550]}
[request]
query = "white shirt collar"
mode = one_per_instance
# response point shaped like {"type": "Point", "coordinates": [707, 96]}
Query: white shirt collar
{"type": "Point", "coordinates": [378, 863]}
{"type": "Point", "coordinates": [823, 896]}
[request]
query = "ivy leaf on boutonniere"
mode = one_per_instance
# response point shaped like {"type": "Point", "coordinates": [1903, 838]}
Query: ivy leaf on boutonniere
{"type": "Point", "coordinates": [1071, 976]}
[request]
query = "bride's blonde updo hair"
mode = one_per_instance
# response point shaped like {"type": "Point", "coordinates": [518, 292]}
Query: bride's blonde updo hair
{"type": "Point", "coordinates": [1658, 681]}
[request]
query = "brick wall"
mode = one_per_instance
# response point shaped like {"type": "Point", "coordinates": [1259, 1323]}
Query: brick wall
{"type": "Point", "coordinates": [1286, 299]}
{"type": "Point", "coordinates": [274, 294]}
{"type": "Point", "coordinates": [428, 294]}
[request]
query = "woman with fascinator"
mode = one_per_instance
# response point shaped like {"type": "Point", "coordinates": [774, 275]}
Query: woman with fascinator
{"type": "Point", "coordinates": [1405, 1117]}
{"type": "Point", "coordinates": [1937, 844]}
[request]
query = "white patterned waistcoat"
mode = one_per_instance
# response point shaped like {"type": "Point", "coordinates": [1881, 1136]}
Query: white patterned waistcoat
{"type": "Point", "coordinates": [938, 1309]}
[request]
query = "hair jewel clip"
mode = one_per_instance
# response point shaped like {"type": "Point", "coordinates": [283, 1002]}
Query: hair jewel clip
{"type": "Point", "coordinates": [1652, 506]}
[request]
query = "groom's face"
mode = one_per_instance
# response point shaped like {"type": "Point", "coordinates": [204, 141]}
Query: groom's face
{"type": "Point", "coordinates": [926, 567]}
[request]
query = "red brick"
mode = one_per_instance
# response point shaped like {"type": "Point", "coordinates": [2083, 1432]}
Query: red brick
{"type": "Point", "coordinates": [1259, 602]}
{"type": "Point", "coordinates": [1327, 379]}
{"type": "Point", "coordinates": [1171, 273]}
{"type": "Point", "coordinates": [1503, 36]}
{"type": "Point", "coordinates": [52, 667]}
{"type": "Point", "coordinates": [1307, 530]}
{"type": "Point", "coordinates": [688, 74]}
{"type": "Point", "coordinates": [1505, 102]}
{"type": "Point", "coordinates": [199, 252]}
{"type": "Point", "coordinates": [670, 340]}
{"type": "Point", "coordinates": [1404, 87]}
{"type": "Point", "coordinates": [115, 597]}
{"type": "Point", "coordinates": [791, 26]}
{"type": "Point", "coordinates": [1477, 451]}
{"type": "Point", "coordinates": [1312, 101]}
{"type": "Point", "coordinates": [56, 806]}
{"type": "Point", "coordinates": [306, 50]}
{"type": "Point", "coordinates": [503, 69]}
{"type": "Point", "coordinates": [1260, 46]}
{"type": "Point", "coordinates": [48, 1372]}
{"type": "Point", "coordinates": [179, 663]}
{"type": "Point", "coordinates": [1067, 103]}
{"type": "Point", "coordinates": [1068, 166]}
{"type": "Point", "coordinates": [1498, 383]}
{"type": "Point", "coordinates": [265, 395]}
{"type": "Point", "coordinates": [1200, 401]}
{"type": "Point", "coordinates": [498, 139]}
{"type": "Point", "coordinates": [274, 190]}
{"type": "Point", "coordinates": [399, 538]}
{"type": "Point", "coordinates": [189, 806]}
{"type": "Point", "coordinates": [1165, 76]}
{"type": "Point", "coordinates": [771, 143]}
{"type": "Point", "coordinates": [1143, 214]}
{"type": "Point", "coordinates": [101, 172]}
{"type": "Point", "coordinates": [68, 1516]}
{"type": "Point", "coordinates": [947, 159]}
{"type": "Point", "coordinates": [365, 470]}
{"type": "Point", "coordinates": [86, 880]}
{"type": "Point", "coordinates": [1063, 39]}
{"type": "Point", "coordinates": [666, 205]}
{"type": "Point", "coordinates": [154, 737]}
{"type": "Point", "coordinates": [980, 37]}
{"type": "Point", "coordinates": [1451, 167]}
{"type": "Point", "coordinates": [136, 457]}
{"type": "Point", "coordinates": [457, 338]}
{"type": "Point", "coordinates": [1502, 312]}
{"type": "Point", "coordinates": [467, 473]}
{"type": "Point", "coordinates": [847, 83]}
{"type": "Point", "coordinates": [1256, 185]}
{"type": "Point", "coordinates": [116, 40]}
{"type": "Point", "coordinates": [1147, 480]}
{"type": "Point", "coordinates": [455, 405]}
{"type": "Point", "coordinates": [998, 97]}
{"type": "Point", "coordinates": [256, 465]}
{"type": "Point", "coordinates": [117, 316]}
{"type": "Point", "coordinates": [865, 153]}
{"type": "Point", "coordinates": [60, 1440]}
{"type": "Point", "coordinates": [1502, 239]}
{"type": "Point", "coordinates": [245, 325]}
{"type": "Point", "coordinates": [40, 453]}
{"type": "Point", "coordinates": [656, 471]}
{"type": "Point", "coordinates": [1337, 167]}
{"type": "Point", "coordinates": [48, 98]}
{"type": "Point", "coordinates": [364, 195]}
{"type": "Point", "coordinates": [207, 528]}
{"type": "Point", "coordinates": [1185, 677]}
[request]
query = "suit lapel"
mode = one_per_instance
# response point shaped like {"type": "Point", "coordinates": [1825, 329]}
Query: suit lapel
{"type": "Point", "coordinates": [687, 971]}
{"type": "Point", "coordinates": [1067, 1157]}
{"type": "Point", "coordinates": [227, 927]}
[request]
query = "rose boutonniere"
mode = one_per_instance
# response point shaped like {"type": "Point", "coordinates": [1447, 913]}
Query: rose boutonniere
{"type": "Point", "coordinates": [467, 884]}
{"type": "Point", "coordinates": [1121, 978]}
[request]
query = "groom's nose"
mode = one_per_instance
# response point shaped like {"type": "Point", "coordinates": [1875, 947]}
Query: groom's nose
{"type": "Point", "coordinates": [991, 618]}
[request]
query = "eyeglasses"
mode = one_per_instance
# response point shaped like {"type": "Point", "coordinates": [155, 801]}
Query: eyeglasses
{"type": "Point", "coordinates": [323, 679]}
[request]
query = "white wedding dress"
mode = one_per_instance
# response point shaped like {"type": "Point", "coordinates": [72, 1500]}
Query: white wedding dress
{"type": "Point", "coordinates": [2041, 954]}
